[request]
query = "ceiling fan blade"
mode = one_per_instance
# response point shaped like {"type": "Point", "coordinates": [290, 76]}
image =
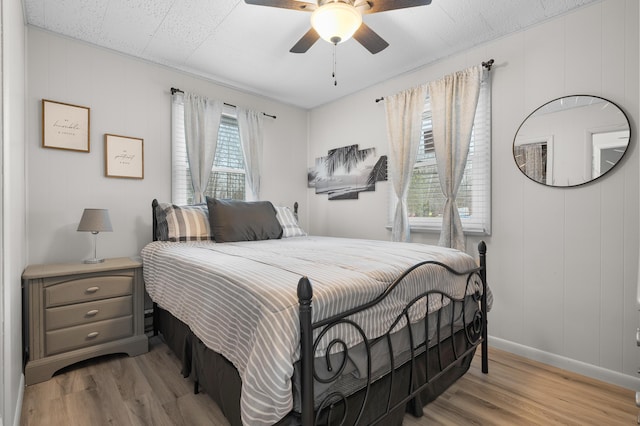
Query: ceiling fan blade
{"type": "Point", "coordinates": [370, 39]}
{"type": "Point", "coordinates": [305, 42]}
{"type": "Point", "coordinates": [285, 4]}
{"type": "Point", "coordinates": [375, 6]}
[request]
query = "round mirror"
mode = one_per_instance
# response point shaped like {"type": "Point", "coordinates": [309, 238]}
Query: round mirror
{"type": "Point", "coordinates": [571, 141]}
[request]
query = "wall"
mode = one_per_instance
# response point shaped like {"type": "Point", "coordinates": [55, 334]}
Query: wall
{"type": "Point", "coordinates": [130, 97]}
{"type": "Point", "coordinates": [562, 262]}
{"type": "Point", "coordinates": [12, 207]}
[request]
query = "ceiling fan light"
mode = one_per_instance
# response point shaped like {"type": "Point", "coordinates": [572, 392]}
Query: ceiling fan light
{"type": "Point", "coordinates": [336, 22]}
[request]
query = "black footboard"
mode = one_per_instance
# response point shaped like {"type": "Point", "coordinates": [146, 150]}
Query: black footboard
{"type": "Point", "coordinates": [468, 330]}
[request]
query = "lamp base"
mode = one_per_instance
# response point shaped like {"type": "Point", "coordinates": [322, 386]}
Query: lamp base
{"type": "Point", "coordinates": [93, 260]}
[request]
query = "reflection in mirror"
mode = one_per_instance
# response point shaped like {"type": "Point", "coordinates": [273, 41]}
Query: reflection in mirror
{"type": "Point", "coordinates": [571, 141]}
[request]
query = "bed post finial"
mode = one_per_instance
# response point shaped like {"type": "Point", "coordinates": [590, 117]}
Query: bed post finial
{"type": "Point", "coordinates": [305, 294]}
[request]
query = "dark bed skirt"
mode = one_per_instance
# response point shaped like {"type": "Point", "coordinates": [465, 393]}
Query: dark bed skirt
{"type": "Point", "coordinates": [218, 377]}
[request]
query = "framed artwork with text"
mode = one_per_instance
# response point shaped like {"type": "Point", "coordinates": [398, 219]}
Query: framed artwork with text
{"type": "Point", "coordinates": [65, 126]}
{"type": "Point", "coordinates": [123, 156]}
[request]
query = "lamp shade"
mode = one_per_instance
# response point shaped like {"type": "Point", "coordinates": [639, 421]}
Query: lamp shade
{"type": "Point", "coordinates": [336, 22]}
{"type": "Point", "coordinates": [95, 220]}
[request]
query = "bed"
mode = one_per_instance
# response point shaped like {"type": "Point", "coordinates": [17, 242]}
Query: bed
{"type": "Point", "coordinates": [279, 327]}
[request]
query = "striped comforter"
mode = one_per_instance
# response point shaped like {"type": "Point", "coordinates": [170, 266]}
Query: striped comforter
{"type": "Point", "coordinates": [240, 298]}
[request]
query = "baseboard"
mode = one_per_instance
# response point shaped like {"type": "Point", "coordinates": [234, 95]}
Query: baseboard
{"type": "Point", "coordinates": [16, 417]}
{"type": "Point", "coordinates": [595, 372]}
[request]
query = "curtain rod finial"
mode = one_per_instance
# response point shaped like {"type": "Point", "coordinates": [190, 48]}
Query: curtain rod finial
{"type": "Point", "coordinates": [488, 64]}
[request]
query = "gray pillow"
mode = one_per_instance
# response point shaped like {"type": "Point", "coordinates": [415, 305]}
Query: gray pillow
{"type": "Point", "coordinates": [233, 220]}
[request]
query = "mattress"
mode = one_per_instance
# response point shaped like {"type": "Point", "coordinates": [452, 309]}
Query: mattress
{"type": "Point", "coordinates": [240, 299]}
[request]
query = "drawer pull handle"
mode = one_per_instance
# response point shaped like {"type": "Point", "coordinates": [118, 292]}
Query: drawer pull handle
{"type": "Point", "coordinates": [92, 289]}
{"type": "Point", "coordinates": [92, 335]}
{"type": "Point", "coordinates": [92, 312]}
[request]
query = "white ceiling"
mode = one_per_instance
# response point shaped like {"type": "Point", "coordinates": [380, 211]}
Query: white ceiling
{"type": "Point", "coordinates": [247, 47]}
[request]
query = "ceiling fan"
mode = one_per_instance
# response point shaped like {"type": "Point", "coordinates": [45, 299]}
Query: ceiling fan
{"type": "Point", "coordinates": [338, 20]}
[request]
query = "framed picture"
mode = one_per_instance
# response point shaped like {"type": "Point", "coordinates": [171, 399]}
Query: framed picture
{"type": "Point", "coordinates": [123, 156]}
{"type": "Point", "coordinates": [65, 126]}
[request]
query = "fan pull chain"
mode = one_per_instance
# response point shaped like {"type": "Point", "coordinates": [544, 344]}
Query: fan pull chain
{"type": "Point", "coordinates": [335, 81]}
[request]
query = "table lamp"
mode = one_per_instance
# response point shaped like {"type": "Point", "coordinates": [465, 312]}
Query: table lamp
{"type": "Point", "coordinates": [94, 221]}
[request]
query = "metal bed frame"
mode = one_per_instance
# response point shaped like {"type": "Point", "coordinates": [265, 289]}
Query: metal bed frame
{"type": "Point", "coordinates": [475, 335]}
{"type": "Point", "coordinates": [335, 407]}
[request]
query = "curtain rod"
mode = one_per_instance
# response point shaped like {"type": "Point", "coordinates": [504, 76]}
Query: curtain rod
{"type": "Point", "coordinates": [487, 65]}
{"type": "Point", "coordinates": [174, 91]}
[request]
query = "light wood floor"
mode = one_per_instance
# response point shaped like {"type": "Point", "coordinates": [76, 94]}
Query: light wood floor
{"type": "Point", "coordinates": [149, 390]}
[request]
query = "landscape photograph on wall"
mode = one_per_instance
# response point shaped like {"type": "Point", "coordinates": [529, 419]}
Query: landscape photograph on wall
{"type": "Point", "coordinates": [347, 171]}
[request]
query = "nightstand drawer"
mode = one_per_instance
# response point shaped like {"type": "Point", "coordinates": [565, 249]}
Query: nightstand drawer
{"type": "Point", "coordinates": [87, 289]}
{"type": "Point", "coordinates": [87, 335]}
{"type": "Point", "coordinates": [88, 312]}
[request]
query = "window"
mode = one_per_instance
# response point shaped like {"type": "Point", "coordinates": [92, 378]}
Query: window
{"type": "Point", "coordinates": [227, 178]}
{"type": "Point", "coordinates": [425, 201]}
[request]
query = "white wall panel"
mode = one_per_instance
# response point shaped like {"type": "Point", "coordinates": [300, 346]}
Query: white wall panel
{"type": "Point", "coordinates": [611, 283]}
{"type": "Point", "coordinates": [613, 51]}
{"type": "Point", "coordinates": [582, 273]}
{"type": "Point", "coordinates": [544, 64]}
{"type": "Point", "coordinates": [583, 51]}
{"type": "Point", "coordinates": [543, 253]}
{"type": "Point", "coordinates": [629, 307]}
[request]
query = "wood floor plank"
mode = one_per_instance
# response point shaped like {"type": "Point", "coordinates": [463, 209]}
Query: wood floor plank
{"type": "Point", "coordinates": [169, 386]}
{"type": "Point", "coordinates": [129, 378]}
{"type": "Point", "coordinates": [149, 390]}
{"type": "Point", "coordinates": [145, 410]}
{"type": "Point", "coordinates": [88, 408]}
{"type": "Point", "coordinates": [199, 410]}
{"type": "Point", "coordinates": [37, 410]}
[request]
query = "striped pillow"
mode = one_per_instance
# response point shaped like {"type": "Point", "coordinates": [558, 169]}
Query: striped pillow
{"type": "Point", "coordinates": [183, 223]}
{"type": "Point", "coordinates": [289, 223]}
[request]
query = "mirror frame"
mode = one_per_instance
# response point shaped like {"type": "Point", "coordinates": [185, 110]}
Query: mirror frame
{"type": "Point", "coordinates": [551, 142]}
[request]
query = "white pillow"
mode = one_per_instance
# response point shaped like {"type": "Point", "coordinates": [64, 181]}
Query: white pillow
{"type": "Point", "coordinates": [289, 223]}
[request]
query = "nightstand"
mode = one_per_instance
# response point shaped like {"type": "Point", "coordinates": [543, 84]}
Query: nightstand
{"type": "Point", "coordinates": [77, 311]}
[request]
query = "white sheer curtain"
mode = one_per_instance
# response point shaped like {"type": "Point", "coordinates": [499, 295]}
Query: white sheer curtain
{"type": "Point", "coordinates": [453, 103]}
{"type": "Point", "coordinates": [201, 123]}
{"type": "Point", "coordinates": [251, 138]}
{"type": "Point", "coordinates": [404, 126]}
